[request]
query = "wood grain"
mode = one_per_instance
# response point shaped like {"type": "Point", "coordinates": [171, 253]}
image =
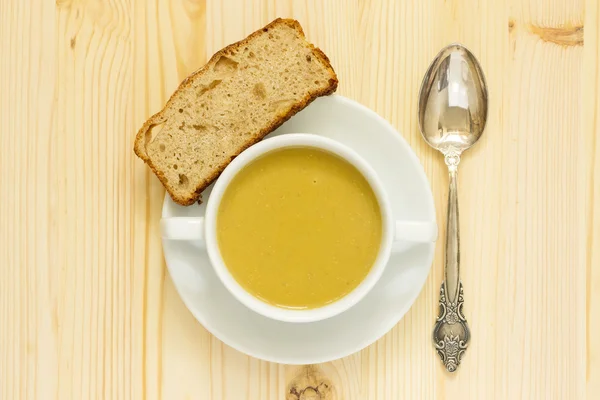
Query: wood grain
{"type": "Point", "coordinates": [87, 309]}
{"type": "Point", "coordinates": [590, 115]}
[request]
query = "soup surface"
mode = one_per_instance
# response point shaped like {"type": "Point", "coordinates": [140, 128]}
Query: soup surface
{"type": "Point", "coordinates": [299, 228]}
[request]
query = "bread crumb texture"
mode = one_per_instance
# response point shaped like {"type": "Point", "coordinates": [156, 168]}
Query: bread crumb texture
{"type": "Point", "coordinates": [244, 92]}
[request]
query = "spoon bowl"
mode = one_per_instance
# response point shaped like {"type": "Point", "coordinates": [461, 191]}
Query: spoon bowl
{"type": "Point", "coordinates": [453, 100]}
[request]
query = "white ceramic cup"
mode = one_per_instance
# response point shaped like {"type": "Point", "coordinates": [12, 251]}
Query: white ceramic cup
{"type": "Point", "coordinates": [204, 228]}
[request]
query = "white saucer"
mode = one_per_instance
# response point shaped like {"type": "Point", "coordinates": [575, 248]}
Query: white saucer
{"type": "Point", "coordinates": [400, 171]}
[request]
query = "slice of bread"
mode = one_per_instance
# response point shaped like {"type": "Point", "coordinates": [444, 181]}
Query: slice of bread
{"type": "Point", "coordinates": [243, 93]}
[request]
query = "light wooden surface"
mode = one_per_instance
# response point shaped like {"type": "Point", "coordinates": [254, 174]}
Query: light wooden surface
{"type": "Point", "coordinates": [87, 309]}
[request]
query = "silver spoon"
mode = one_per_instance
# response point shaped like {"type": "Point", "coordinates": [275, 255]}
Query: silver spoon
{"type": "Point", "coordinates": [452, 115]}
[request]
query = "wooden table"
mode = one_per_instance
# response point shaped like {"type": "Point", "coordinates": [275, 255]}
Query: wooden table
{"type": "Point", "coordinates": [87, 309]}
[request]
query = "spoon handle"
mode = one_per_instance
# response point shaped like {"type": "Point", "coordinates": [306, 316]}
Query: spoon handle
{"type": "Point", "coordinates": [451, 333]}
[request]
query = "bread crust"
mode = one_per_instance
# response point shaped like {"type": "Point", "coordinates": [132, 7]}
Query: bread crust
{"type": "Point", "coordinates": [159, 117]}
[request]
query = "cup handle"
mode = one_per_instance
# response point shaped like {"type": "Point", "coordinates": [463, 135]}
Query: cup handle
{"type": "Point", "coordinates": [416, 231]}
{"type": "Point", "coordinates": [182, 228]}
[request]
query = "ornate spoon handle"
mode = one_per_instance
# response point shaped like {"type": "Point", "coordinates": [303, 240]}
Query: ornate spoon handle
{"type": "Point", "coordinates": [451, 333]}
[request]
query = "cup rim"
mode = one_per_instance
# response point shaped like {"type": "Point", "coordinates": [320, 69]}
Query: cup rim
{"type": "Point", "coordinates": [254, 303]}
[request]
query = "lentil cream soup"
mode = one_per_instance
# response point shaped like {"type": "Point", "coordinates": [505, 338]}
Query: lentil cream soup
{"type": "Point", "coordinates": [299, 228]}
